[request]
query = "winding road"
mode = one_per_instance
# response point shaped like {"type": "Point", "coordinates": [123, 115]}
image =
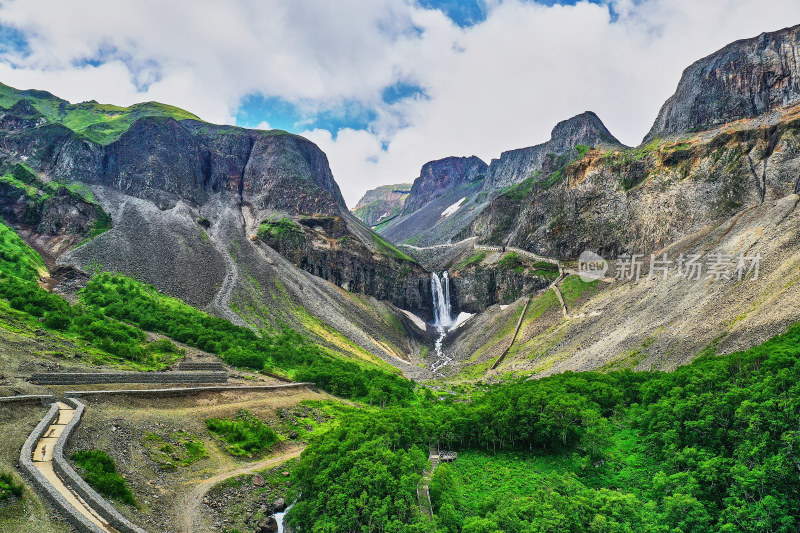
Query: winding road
{"type": "Point", "coordinates": [187, 511]}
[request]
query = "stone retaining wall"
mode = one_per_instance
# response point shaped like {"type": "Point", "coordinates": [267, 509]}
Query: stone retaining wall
{"type": "Point", "coordinates": [194, 366]}
{"type": "Point", "coordinates": [77, 484]}
{"type": "Point", "coordinates": [70, 477]}
{"type": "Point", "coordinates": [88, 378]}
{"type": "Point", "coordinates": [43, 399]}
{"type": "Point", "coordinates": [74, 518]}
{"type": "Point", "coordinates": [185, 391]}
{"type": "Point", "coordinates": [534, 256]}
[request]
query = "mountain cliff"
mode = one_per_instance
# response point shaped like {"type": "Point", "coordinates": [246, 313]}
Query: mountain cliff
{"type": "Point", "coordinates": [381, 204]}
{"type": "Point", "coordinates": [183, 203]}
{"type": "Point", "coordinates": [744, 79]}
{"type": "Point", "coordinates": [439, 177]}
{"type": "Point", "coordinates": [515, 166]}
{"type": "Point", "coordinates": [718, 178]}
{"type": "Point", "coordinates": [165, 159]}
{"type": "Point", "coordinates": [450, 197]}
{"type": "Point", "coordinates": [251, 225]}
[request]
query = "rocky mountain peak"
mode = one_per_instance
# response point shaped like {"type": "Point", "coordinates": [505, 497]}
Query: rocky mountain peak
{"type": "Point", "coordinates": [438, 177]}
{"type": "Point", "coordinates": [382, 203]}
{"type": "Point", "coordinates": [744, 79]}
{"type": "Point", "coordinates": [586, 129]}
{"type": "Point", "coordinates": [515, 166]}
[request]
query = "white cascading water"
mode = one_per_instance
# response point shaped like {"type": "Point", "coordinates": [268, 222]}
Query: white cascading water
{"type": "Point", "coordinates": [440, 289]}
{"type": "Point", "coordinates": [442, 317]}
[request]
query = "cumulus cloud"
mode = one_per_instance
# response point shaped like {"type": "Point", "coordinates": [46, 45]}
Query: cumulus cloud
{"type": "Point", "coordinates": [499, 84]}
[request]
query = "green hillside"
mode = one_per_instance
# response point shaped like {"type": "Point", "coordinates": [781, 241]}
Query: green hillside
{"type": "Point", "coordinates": [101, 123]}
{"type": "Point", "coordinates": [115, 312]}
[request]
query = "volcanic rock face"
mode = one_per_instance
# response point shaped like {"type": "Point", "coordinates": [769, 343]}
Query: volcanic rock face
{"type": "Point", "coordinates": [187, 198]}
{"type": "Point", "coordinates": [438, 177]}
{"type": "Point", "coordinates": [744, 79]}
{"type": "Point", "coordinates": [163, 160]}
{"type": "Point", "coordinates": [428, 217]}
{"type": "Point", "coordinates": [325, 247]}
{"type": "Point", "coordinates": [476, 290]}
{"type": "Point", "coordinates": [382, 203]}
{"type": "Point", "coordinates": [639, 200]}
{"type": "Point", "coordinates": [515, 166]}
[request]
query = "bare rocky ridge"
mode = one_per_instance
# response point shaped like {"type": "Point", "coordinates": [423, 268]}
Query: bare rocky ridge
{"type": "Point", "coordinates": [615, 201]}
{"type": "Point", "coordinates": [517, 165]}
{"type": "Point", "coordinates": [438, 177]}
{"type": "Point", "coordinates": [744, 79]}
{"type": "Point", "coordinates": [187, 198]}
{"type": "Point", "coordinates": [441, 183]}
{"type": "Point", "coordinates": [381, 204]}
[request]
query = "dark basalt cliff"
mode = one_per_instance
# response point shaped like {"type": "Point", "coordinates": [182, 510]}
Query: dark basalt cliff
{"type": "Point", "coordinates": [475, 290]}
{"type": "Point", "coordinates": [515, 166]}
{"type": "Point", "coordinates": [164, 160]}
{"type": "Point", "coordinates": [439, 177]}
{"type": "Point", "coordinates": [747, 78]}
{"type": "Point", "coordinates": [211, 169]}
{"type": "Point", "coordinates": [325, 247]}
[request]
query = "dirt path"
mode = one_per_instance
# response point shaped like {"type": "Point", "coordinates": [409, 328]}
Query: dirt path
{"type": "Point", "coordinates": [187, 506]}
{"type": "Point", "coordinates": [222, 300]}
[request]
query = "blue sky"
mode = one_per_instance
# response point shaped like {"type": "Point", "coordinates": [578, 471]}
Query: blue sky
{"type": "Point", "coordinates": [382, 86]}
{"type": "Point", "coordinates": [258, 109]}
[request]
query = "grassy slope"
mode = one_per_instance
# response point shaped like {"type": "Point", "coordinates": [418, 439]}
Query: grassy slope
{"type": "Point", "coordinates": [116, 312]}
{"type": "Point", "coordinates": [17, 258]}
{"type": "Point", "coordinates": [101, 123]}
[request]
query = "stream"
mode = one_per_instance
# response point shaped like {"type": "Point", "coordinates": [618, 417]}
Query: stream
{"type": "Point", "coordinates": [280, 516]}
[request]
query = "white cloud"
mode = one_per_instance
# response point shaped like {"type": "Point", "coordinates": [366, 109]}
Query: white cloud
{"type": "Point", "coordinates": [499, 85]}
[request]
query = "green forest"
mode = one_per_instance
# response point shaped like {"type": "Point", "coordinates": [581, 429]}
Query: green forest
{"type": "Point", "coordinates": [712, 446]}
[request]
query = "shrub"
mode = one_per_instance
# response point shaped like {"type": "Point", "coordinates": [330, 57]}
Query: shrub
{"type": "Point", "coordinates": [99, 471]}
{"type": "Point", "coordinates": [8, 487]}
{"type": "Point", "coordinates": [283, 230]}
{"type": "Point", "coordinates": [57, 320]}
{"type": "Point", "coordinates": [244, 435]}
{"type": "Point", "coordinates": [179, 449]}
{"type": "Point", "coordinates": [511, 261]}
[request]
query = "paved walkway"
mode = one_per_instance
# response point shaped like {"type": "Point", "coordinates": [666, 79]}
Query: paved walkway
{"type": "Point", "coordinates": [43, 461]}
{"type": "Point", "coordinates": [423, 489]}
{"type": "Point", "coordinates": [437, 246]}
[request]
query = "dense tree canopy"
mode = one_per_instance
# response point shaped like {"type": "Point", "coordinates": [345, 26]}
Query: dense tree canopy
{"type": "Point", "coordinates": [720, 442]}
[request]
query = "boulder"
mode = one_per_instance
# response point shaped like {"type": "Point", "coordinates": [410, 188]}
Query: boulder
{"type": "Point", "coordinates": [269, 525]}
{"type": "Point", "coordinates": [279, 505]}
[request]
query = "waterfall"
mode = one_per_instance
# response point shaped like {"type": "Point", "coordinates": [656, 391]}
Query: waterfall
{"type": "Point", "coordinates": [442, 317]}
{"type": "Point", "coordinates": [440, 290]}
